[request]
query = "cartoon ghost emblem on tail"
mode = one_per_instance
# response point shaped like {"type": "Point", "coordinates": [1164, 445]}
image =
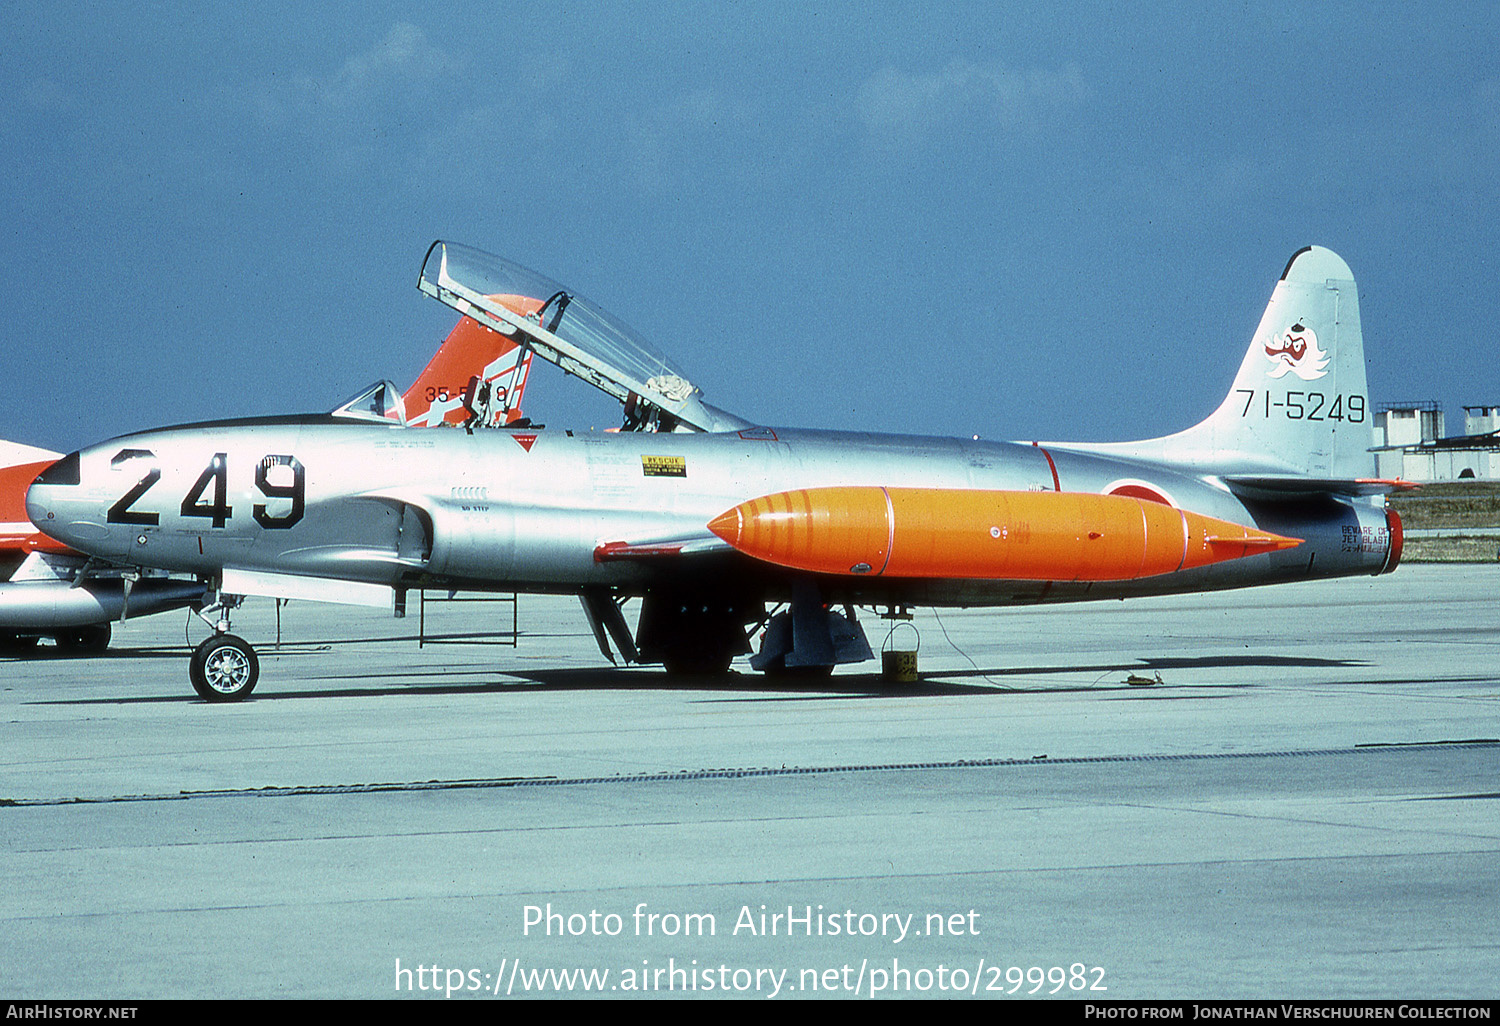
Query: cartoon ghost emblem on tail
{"type": "Point", "coordinates": [1296, 351]}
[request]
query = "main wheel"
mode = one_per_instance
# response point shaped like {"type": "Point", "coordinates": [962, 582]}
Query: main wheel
{"type": "Point", "coordinates": [85, 640]}
{"type": "Point", "coordinates": [778, 668]}
{"type": "Point", "coordinates": [224, 669]}
{"type": "Point", "coordinates": [17, 644]}
{"type": "Point", "coordinates": [696, 662]}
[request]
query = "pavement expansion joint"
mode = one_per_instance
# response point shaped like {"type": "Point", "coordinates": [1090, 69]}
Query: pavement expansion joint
{"type": "Point", "coordinates": [732, 774]}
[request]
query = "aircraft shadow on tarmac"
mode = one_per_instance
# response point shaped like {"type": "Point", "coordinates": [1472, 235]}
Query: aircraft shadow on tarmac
{"type": "Point", "coordinates": [47, 653]}
{"type": "Point", "coordinates": [737, 686]}
{"type": "Point", "coordinates": [284, 648]}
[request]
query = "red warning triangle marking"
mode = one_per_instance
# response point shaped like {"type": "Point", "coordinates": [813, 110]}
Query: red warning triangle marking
{"type": "Point", "coordinates": [526, 441]}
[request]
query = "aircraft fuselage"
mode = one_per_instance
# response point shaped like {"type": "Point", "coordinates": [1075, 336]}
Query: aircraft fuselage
{"type": "Point", "coordinates": [550, 510]}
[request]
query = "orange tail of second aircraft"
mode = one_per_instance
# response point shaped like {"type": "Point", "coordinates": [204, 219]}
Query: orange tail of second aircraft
{"type": "Point", "coordinates": [21, 465]}
{"type": "Point", "coordinates": [476, 378]}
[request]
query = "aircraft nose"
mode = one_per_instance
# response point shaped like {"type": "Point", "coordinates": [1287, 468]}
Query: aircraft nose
{"type": "Point", "coordinates": [51, 495]}
{"type": "Point", "coordinates": [79, 501]}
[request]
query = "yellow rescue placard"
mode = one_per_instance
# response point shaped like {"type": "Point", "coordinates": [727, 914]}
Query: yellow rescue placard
{"type": "Point", "coordinates": [664, 466]}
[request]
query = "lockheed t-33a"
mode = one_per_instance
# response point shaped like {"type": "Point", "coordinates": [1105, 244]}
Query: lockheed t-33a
{"type": "Point", "coordinates": [719, 525]}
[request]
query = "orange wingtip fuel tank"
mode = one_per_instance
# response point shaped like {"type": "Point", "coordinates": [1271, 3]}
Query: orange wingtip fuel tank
{"type": "Point", "coordinates": [995, 535]}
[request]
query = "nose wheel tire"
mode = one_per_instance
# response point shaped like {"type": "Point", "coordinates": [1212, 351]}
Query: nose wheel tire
{"type": "Point", "coordinates": [224, 669]}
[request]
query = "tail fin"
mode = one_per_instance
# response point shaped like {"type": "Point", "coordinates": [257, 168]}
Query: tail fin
{"type": "Point", "coordinates": [470, 351]}
{"type": "Point", "coordinates": [1299, 404]}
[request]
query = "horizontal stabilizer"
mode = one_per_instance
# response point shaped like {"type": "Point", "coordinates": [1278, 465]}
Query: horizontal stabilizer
{"type": "Point", "coordinates": [1292, 486]}
{"type": "Point", "coordinates": [1234, 547]}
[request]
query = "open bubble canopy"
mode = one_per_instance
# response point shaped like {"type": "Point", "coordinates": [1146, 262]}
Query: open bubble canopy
{"type": "Point", "coordinates": [568, 330]}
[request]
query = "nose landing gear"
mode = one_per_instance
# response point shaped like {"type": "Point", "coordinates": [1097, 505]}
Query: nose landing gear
{"type": "Point", "coordinates": [224, 668]}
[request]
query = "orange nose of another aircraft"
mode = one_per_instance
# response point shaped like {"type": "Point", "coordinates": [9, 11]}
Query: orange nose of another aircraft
{"type": "Point", "coordinates": [939, 532]}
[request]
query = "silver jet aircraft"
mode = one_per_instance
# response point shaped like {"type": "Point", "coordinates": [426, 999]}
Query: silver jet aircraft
{"type": "Point", "coordinates": [720, 525]}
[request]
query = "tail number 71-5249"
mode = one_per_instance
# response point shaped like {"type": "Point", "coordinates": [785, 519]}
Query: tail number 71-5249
{"type": "Point", "coordinates": [1307, 406]}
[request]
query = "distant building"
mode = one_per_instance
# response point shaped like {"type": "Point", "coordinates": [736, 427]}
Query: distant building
{"type": "Point", "coordinates": [1481, 420]}
{"type": "Point", "coordinates": [1410, 444]}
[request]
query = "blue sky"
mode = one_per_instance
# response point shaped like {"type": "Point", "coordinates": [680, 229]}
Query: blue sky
{"type": "Point", "coordinates": [1022, 221]}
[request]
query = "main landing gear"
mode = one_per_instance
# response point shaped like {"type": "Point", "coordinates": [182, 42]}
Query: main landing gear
{"type": "Point", "coordinates": [809, 639]}
{"type": "Point", "coordinates": [224, 668]}
{"type": "Point", "coordinates": [90, 640]}
{"type": "Point", "coordinates": [693, 634]}
{"type": "Point", "coordinates": [700, 633]}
